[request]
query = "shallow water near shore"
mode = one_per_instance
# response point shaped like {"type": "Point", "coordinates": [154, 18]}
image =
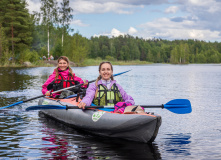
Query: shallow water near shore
{"type": "Point", "coordinates": [29, 135]}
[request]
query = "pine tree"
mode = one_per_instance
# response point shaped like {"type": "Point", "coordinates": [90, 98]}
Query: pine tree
{"type": "Point", "coordinates": [16, 23]}
{"type": "Point", "coordinates": [1, 39]}
{"type": "Point", "coordinates": [3, 4]}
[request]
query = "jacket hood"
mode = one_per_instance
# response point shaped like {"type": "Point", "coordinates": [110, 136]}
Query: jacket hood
{"type": "Point", "coordinates": [111, 82]}
{"type": "Point", "coordinates": [63, 73]}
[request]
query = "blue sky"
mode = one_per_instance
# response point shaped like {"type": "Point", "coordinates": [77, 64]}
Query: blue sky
{"type": "Point", "coordinates": [166, 19]}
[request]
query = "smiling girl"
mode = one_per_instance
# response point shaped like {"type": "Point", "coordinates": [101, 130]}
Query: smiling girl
{"type": "Point", "coordinates": [105, 91]}
{"type": "Point", "coordinates": [62, 77]}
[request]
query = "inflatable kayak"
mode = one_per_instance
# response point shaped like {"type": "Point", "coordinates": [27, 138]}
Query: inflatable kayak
{"type": "Point", "coordinates": [135, 127]}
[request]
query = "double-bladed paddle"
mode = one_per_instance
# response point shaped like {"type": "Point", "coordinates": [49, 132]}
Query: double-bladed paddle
{"type": "Point", "coordinates": [57, 91]}
{"type": "Point", "coordinates": [179, 106]}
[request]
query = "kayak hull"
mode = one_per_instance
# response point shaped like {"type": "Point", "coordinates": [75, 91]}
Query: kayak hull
{"type": "Point", "coordinates": [134, 127]}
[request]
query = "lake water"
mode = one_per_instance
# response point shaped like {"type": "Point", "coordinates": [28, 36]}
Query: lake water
{"type": "Point", "coordinates": [25, 135]}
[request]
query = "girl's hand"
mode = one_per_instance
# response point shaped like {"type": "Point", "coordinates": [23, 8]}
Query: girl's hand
{"type": "Point", "coordinates": [85, 84]}
{"type": "Point", "coordinates": [48, 93]}
{"type": "Point", "coordinates": [82, 105]}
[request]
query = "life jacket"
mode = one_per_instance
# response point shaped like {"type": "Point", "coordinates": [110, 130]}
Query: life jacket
{"type": "Point", "coordinates": [61, 83]}
{"type": "Point", "coordinates": [107, 97]}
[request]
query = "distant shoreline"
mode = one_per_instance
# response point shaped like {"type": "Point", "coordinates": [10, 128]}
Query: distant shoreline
{"type": "Point", "coordinates": [87, 62]}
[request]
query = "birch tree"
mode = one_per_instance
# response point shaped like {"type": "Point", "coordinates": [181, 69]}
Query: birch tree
{"type": "Point", "coordinates": [49, 13]}
{"type": "Point", "coordinates": [65, 17]}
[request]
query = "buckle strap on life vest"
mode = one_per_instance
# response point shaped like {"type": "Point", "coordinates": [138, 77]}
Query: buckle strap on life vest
{"type": "Point", "coordinates": [107, 96]}
{"type": "Point", "coordinates": [61, 83]}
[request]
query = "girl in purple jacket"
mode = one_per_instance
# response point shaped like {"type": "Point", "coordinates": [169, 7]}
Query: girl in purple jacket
{"type": "Point", "coordinates": [62, 77]}
{"type": "Point", "coordinates": [98, 92]}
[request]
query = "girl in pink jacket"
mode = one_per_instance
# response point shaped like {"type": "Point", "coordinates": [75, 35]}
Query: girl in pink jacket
{"type": "Point", "coordinates": [62, 77]}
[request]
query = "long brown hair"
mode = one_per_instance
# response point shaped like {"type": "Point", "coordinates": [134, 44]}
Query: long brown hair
{"type": "Point", "coordinates": [67, 60]}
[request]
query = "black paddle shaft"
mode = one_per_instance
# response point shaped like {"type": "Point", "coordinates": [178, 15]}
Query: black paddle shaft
{"type": "Point", "coordinates": [65, 89]}
{"type": "Point", "coordinates": [54, 92]}
{"type": "Point", "coordinates": [144, 106]}
{"type": "Point", "coordinates": [33, 98]}
{"type": "Point", "coordinates": [152, 106]}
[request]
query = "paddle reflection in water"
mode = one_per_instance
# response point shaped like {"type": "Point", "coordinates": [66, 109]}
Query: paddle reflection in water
{"type": "Point", "coordinates": [63, 142]}
{"type": "Point", "coordinates": [178, 144]}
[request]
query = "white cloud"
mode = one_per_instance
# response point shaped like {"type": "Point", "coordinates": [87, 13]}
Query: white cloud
{"type": "Point", "coordinates": [132, 31]}
{"type": "Point", "coordinates": [202, 6]}
{"type": "Point", "coordinates": [100, 6]}
{"type": "Point", "coordinates": [82, 6]}
{"type": "Point", "coordinates": [116, 32]}
{"type": "Point", "coordinates": [172, 9]}
{"type": "Point", "coordinates": [79, 23]}
{"type": "Point", "coordinates": [166, 29]}
{"type": "Point", "coordinates": [33, 5]}
{"type": "Point", "coordinates": [196, 18]}
{"type": "Point", "coordinates": [200, 2]}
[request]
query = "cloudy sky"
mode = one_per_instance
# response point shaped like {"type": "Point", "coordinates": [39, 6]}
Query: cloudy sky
{"type": "Point", "coordinates": [166, 19]}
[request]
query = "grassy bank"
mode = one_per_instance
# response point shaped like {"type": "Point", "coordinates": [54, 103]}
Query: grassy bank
{"type": "Point", "coordinates": [96, 62]}
{"type": "Point", "coordinates": [39, 63]}
{"type": "Point", "coordinates": [87, 62]}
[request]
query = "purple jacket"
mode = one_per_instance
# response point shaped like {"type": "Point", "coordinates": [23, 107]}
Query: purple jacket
{"type": "Point", "coordinates": [90, 93]}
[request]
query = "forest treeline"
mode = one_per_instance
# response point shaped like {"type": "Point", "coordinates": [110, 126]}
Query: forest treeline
{"type": "Point", "coordinates": [26, 36]}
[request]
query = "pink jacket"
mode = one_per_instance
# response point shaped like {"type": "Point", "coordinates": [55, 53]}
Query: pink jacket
{"type": "Point", "coordinates": [64, 74]}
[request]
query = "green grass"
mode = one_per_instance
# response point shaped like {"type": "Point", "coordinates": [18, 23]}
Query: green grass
{"type": "Point", "coordinates": [87, 62]}
{"type": "Point", "coordinates": [96, 62]}
{"type": "Point", "coordinates": [39, 63]}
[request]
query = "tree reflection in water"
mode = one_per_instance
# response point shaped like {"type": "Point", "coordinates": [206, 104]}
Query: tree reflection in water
{"type": "Point", "coordinates": [56, 146]}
